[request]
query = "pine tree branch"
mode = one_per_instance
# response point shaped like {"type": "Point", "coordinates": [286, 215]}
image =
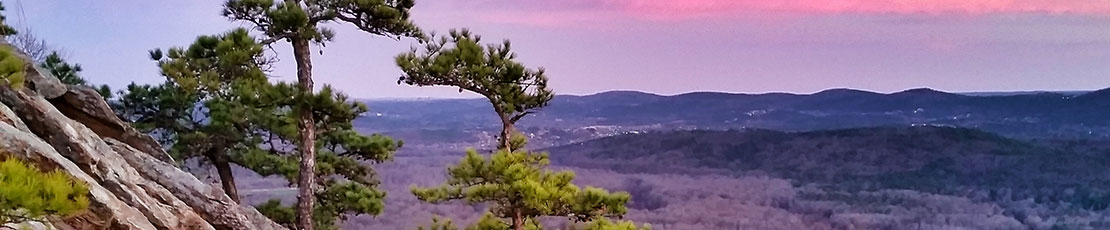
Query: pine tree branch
{"type": "Point", "coordinates": [517, 117]}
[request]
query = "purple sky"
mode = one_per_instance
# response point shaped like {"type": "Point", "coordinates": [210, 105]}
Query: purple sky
{"type": "Point", "coordinates": [658, 46]}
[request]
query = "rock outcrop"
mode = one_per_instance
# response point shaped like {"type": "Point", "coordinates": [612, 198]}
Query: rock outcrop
{"type": "Point", "coordinates": [133, 182]}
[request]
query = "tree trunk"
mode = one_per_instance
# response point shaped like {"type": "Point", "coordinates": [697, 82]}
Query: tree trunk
{"type": "Point", "coordinates": [518, 220]}
{"type": "Point", "coordinates": [223, 168]}
{"type": "Point", "coordinates": [506, 126]}
{"type": "Point", "coordinates": [307, 179]}
{"type": "Point", "coordinates": [506, 133]}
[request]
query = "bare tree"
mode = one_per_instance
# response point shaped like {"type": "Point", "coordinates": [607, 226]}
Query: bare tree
{"type": "Point", "coordinates": [32, 45]}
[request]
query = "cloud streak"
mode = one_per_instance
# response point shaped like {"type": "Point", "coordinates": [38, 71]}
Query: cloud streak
{"type": "Point", "coordinates": [657, 8]}
{"type": "Point", "coordinates": [547, 12]}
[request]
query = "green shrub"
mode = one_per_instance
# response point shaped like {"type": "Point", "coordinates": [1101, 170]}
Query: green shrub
{"type": "Point", "coordinates": [11, 68]}
{"type": "Point", "coordinates": [26, 194]}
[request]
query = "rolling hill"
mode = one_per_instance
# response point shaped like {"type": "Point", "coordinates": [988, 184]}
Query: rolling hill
{"type": "Point", "coordinates": [1031, 115]}
{"type": "Point", "coordinates": [942, 160]}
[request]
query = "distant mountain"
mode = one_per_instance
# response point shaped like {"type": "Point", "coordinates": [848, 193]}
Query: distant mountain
{"type": "Point", "coordinates": [925, 158]}
{"type": "Point", "coordinates": [1036, 115]}
{"type": "Point", "coordinates": [1096, 98]}
{"type": "Point", "coordinates": [1014, 93]}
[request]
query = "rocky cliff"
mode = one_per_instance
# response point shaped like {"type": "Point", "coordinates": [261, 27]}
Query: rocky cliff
{"type": "Point", "coordinates": [134, 183]}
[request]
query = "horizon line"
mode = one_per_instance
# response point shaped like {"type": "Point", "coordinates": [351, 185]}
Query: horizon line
{"type": "Point", "coordinates": [968, 93]}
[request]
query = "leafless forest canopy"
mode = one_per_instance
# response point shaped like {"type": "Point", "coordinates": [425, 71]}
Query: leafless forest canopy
{"type": "Point", "coordinates": [845, 159]}
{"type": "Point", "coordinates": [867, 178]}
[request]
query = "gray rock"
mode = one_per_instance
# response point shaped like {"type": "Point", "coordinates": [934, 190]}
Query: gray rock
{"type": "Point", "coordinates": [105, 210]}
{"type": "Point", "coordinates": [133, 182]}
{"type": "Point", "coordinates": [85, 105]}
{"type": "Point", "coordinates": [42, 81]}
{"type": "Point", "coordinates": [208, 201]}
{"type": "Point", "coordinates": [7, 116]}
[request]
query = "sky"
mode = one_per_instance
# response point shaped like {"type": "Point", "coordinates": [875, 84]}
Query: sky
{"type": "Point", "coordinates": [659, 46]}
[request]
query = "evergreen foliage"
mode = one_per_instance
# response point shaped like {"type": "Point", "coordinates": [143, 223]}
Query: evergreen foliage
{"type": "Point", "coordinates": [518, 186]}
{"type": "Point", "coordinates": [437, 224]}
{"type": "Point", "coordinates": [11, 68]}
{"type": "Point", "coordinates": [605, 224]}
{"type": "Point", "coordinates": [197, 111]}
{"type": "Point", "coordinates": [348, 185]}
{"type": "Point", "coordinates": [5, 29]}
{"type": "Point", "coordinates": [297, 21]}
{"type": "Point", "coordinates": [487, 222]}
{"type": "Point", "coordinates": [27, 194]}
{"type": "Point", "coordinates": [218, 105]}
{"type": "Point", "coordinates": [515, 182]}
{"type": "Point", "coordinates": [69, 73]}
{"type": "Point", "coordinates": [66, 72]}
{"type": "Point", "coordinates": [460, 60]}
{"type": "Point", "coordinates": [300, 19]}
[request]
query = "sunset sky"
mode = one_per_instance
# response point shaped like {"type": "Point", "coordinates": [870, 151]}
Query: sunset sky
{"type": "Point", "coordinates": [658, 46]}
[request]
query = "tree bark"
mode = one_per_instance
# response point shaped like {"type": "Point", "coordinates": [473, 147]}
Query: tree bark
{"type": "Point", "coordinates": [518, 219]}
{"type": "Point", "coordinates": [506, 126]}
{"type": "Point", "coordinates": [223, 168]}
{"type": "Point", "coordinates": [306, 182]}
{"type": "Point", "coordinates": [506, 133]}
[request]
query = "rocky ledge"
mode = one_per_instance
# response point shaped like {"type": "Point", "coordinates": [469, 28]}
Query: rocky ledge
{"type": "Point", "coordinates": [133, 182]}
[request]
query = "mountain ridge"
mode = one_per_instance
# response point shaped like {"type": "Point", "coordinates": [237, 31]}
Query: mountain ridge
{"type": "Point", "coordinates": [576, 118]}
{"type": "Point", "coordinates": [646, 93]}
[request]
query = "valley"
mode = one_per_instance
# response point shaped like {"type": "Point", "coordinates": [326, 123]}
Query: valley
{"type": "Point", "coordinates": [883, 166]}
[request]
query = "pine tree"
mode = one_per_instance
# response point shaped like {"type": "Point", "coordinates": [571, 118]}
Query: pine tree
{"type": "Point", "coordinates": [348, 185]}
{"type": "Point", "coordinates": [197, 111]}
{"type": "Point", "coordinates": [520, 188]}
{"type": "Point", "coordinates": [488, 70]}
{"type": "Point", "coordinates": [66, 72]}
{"type": "Point", "coordinates": [5, 29]}
{"type": "Point", "coordinates": [514, 181]}
{"type": "Point", "coordinates": [27, 194]}
{"type": "Point", "coordinates": [70, 73]}
{"type": "Point", "coordinates": [297, 21]}
{"type": "Point", "coordinates": [218, 105]}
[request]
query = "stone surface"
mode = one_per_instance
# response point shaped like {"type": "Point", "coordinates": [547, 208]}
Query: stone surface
{"type": "Point", "coordinates": [38, 79]}
{"type": "Point", "coordinates": [133, 183]}
{"type": "Point", "coordinates": [8, 116]}
{"type": "Point", "coordinates": [210, 202]}
{"type": "Point", "coordinates": [105, 210]}
{"type": "Point", "coordinates": [85, 105]}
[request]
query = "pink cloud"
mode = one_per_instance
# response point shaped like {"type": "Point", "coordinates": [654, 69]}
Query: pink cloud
{"type": "Point", "coordinates": [664, 9]}
{"type": "Point", "coordinates": [546, 19]}
{"type": "Point", "coordinates": [563, 12]}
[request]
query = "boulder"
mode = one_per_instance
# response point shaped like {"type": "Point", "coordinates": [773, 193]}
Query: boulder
{"type": "Point", "coordinates": [85, 105]}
